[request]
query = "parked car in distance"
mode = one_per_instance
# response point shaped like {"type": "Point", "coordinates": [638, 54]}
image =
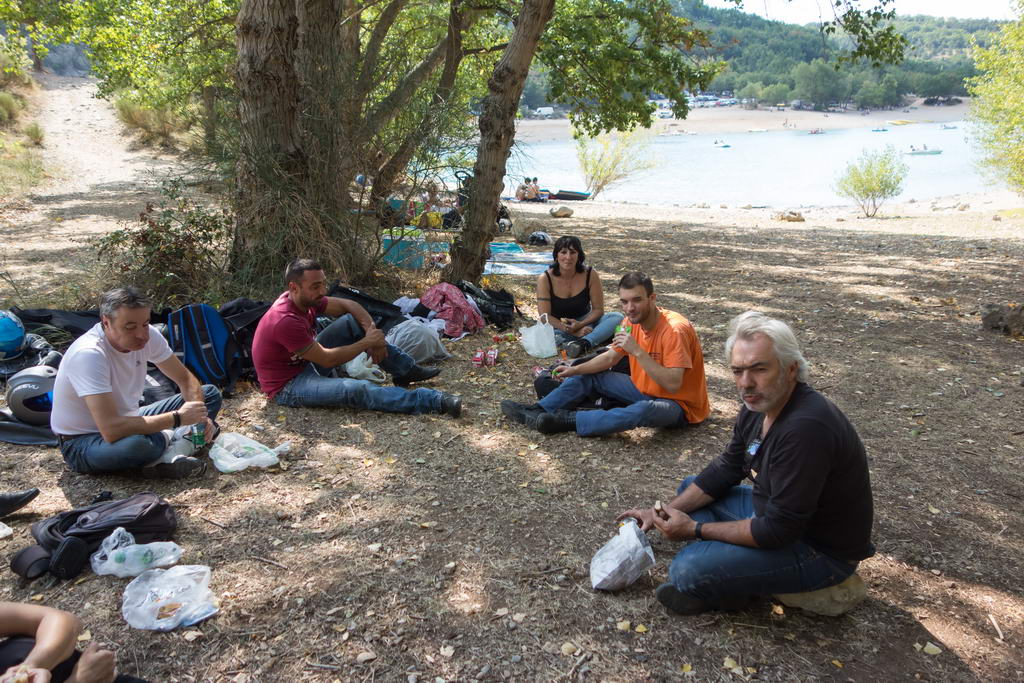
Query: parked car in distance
{"type": "Point", "coordinates": [544, 111]}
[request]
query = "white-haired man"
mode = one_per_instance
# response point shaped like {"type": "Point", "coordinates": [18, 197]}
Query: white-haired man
{"type": "Point", "coordinates": [806, 521]}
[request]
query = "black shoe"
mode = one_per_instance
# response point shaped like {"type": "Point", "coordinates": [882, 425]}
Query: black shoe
{"type": "Point", "coordinates": [180, 468]}
{"type": "Point", "coordinates": [556, 422]}
{"type": "Point", "coordinates": [418, 373]}
{"type": "Point", "coordinates": [523, 413]}
{"type": "Point", "coordinates": [681, 603]}
{"type": "Point", "coordinates": [580, 347]}
{"type": "Point", "coordinates": [12, 502]}
{"type": "Point", "coordinates": [451, 405]}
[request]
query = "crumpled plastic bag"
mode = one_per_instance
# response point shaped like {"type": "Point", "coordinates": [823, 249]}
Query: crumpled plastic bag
{"type": "Point", "coordinates": [233, 452]}
{"type": "Point", "coordinates": [361, 367]}
{"type": "Point", "coordinates": [622, 560]}
{"type": "Point", "coordinates": [121, 556]}
{"type": "Point", "coordinates": [419, 340]}
{"type": "Point", "coordinates": [178, 444]}
{"type": "Point", "coordinates": [164, 599]}
{"type": "Point", "coordinates": [539, 340]}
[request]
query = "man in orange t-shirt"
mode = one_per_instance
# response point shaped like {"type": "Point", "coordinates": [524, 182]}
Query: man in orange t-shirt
{"type": "Point", "coordinates": [665, 387]}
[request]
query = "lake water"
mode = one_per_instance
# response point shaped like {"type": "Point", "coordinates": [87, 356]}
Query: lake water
{"type": "Point", "coordinates": [786, 168]}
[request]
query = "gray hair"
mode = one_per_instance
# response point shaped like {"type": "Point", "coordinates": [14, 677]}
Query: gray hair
{"type": "Point", "coordinates": [787, 349]}
{"type": "Point", "coordinates": [123, 297]}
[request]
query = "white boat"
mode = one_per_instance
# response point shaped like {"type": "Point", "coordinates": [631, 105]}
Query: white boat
{"type": "Point", "coordinates": [922, 152]}
{"type": "Point", "coordinates": [722, 144]}
{"type": "Point", "coordinates": [948, 126]}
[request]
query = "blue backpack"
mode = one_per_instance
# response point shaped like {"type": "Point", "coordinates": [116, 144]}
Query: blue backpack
{"type": "Point", "coordinates": [204, 343]}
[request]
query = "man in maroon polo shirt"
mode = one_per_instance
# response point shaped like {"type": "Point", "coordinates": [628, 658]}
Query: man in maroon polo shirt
{"type": "Point", "coordinates": [295, 365]}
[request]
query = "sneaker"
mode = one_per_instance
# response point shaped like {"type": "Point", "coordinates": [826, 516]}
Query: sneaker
{"type": "Point", "coordinates": [522, 413]}
{"type": "Point", "coordinates": [580, 347]}
{"type": "Point", "coordinates": [419, 373]}
{"type": "Point", "coordinates": [451, 405]}
{"type": "Point", "coordinates": [681, 603]}
{"type": "Point", "coordinates": [556, 422]}
{"type": "Point", "coordinates": [180, 468]}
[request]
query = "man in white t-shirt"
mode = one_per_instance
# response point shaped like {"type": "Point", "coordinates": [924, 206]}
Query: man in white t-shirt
{"type": "Point", "coordinates": [96, 413]}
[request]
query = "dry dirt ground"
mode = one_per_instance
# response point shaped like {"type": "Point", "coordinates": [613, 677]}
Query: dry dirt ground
{"type": "Point", "coordinates": [459, 549]}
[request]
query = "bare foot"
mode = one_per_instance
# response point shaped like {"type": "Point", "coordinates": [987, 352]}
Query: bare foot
{"type": "Point", "coordinates": [94, 666]}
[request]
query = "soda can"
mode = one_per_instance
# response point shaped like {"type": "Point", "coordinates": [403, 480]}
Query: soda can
{"type": "Point", "coordinates": [537, 371]}
{"type": "Point", "coordinates": [492, 356]}
{"type": "Point", "coordinates": [478, 358]}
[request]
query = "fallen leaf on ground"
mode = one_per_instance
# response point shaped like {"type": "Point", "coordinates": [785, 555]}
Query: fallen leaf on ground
{"type": "Point", "coordinates": [640, 628]}
{"type": "Point", "coordinates": [732, 665]}
{"type": "Point", "coordinates": [931, 648]}
{"type": "Point", "coordinates": [777, 609]}
{"type": "Point", "coordinates": [836, 663]}
{"type": "Point", "coordinates": [85, 635]}
{"type": "Point", "coordinates": [569, 649]}
{"type": "Point", "coordinates": [447, 651]}
{"type": "Point", "coordinates": [623, 626]}
{"type": "Point", "coordinates": [934, 510]}
{"type": "Point", "coordinates": [366, 656]}
{"type": "Point", "coordinates": [501, 612]}
{"type": "Point", "coordinates": [686, 668]}
{"type": "Point", "coordinates": [189, 636]}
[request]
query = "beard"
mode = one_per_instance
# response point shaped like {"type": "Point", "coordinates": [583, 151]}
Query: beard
{"type": "Point", "coordinates": [766, 398]}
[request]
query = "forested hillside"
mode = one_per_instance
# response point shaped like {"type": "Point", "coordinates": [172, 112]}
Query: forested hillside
{"type": "Point", "coordinates": [773, 62]}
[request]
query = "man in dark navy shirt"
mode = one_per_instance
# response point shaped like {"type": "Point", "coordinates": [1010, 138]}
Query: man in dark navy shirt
{"type": "Point", "coordinates": [806, 521]}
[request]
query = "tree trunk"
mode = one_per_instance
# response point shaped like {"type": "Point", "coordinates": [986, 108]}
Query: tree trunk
{"type": "Point", "coordinates": [271, 166]}
{"type": "Point", "coordinates": [497, 131]}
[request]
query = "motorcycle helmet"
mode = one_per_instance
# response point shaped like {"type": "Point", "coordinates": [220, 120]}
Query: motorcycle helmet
{"type": "Point", "coordinates": [12, 335]}
{"type": "Point", "coordinates": [30, 394]}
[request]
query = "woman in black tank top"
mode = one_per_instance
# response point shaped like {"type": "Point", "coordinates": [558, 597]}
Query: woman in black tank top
{"type": "Point", "coordinates": [570, 293]}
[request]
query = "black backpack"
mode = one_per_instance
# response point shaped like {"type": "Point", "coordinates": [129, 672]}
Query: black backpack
{"type": "Point", "coordinates": [65, 541]}
{"type": "Point", "coordinates": [385, 315]}
{"type": "Point", "coordinates": [243, 317]}
{"type": "Point", "coordinates": [498, 307]}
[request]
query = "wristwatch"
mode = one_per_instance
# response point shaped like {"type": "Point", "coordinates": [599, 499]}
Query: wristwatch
{"type": "Point", "coordinates": [697, 531]}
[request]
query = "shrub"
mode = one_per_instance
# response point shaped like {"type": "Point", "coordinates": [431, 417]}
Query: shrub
{"type": "Point", "coordinates": [10, 105]}
{"type": "Point", "coordinates": [156, 124]}
{"type": "Point", "coordinates": [611, 158]}
{"type": "Point", "coordinates": [873, 178]}
{"type": "Point", "coordinates": [34, 132]}
{"type": "Point", "coordinates": [177, 252]}
{"type": "Point", "coordinates": [20, 168]}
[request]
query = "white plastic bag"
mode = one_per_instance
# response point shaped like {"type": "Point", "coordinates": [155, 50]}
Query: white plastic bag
{"type": "Point", "coordinates": [178, 444]}
{"type": "Point", "coordinates": [622, 560]}
{"type": "Point", "coordinates": [164, 599]}
{"type": "Point", "coordinates": [539, 340]}
{"type": "Point", "coordinates": [233, 452]}
{"type": "Point", "coordinates": [121, 556]}
{"type": "Point", "coordinates": [361, 367]}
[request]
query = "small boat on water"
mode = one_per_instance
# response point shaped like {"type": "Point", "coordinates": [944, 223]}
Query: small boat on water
{"type": "Point", "coordinates": [900, 122]}
{"type": "Point", "coordinates": [757, 130]}
{"type": "Point", "coordinates": [923, 151]}
{"type": "Point", "coordinates": [879, 130]}
{"type": "Point", "coordinates": [815, 131]}
{"type": "Point", "coordinates": [722, 144]}
{"type": "Point", "coordinates": [948, 126]}
{"type": "Point", "coordinates": [569, 196]}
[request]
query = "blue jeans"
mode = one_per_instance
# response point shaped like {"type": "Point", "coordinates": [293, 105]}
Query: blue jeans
{"type": "Point", "coordinates": [91, 454]}
{"type": "Point", "coordinates": [642, 411]}
{"type": "Point", "coordinates": [604, 330]}
{"type": "Point", "coordinates": [712, 570]}
{"type": "Point", "coordinates": [315, 386]}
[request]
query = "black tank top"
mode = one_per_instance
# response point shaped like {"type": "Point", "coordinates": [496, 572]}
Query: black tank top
{"type": "Point", "coordinates": [574, 307]}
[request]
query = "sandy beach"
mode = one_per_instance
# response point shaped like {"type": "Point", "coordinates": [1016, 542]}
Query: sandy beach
{"type": "Point", "coordinates": [738, 120]}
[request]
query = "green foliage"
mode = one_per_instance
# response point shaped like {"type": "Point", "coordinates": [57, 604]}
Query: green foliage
{"type": "Point", "coordinates": [820, 83]}
{"type": "Point", "coordinates": [998, 106]}
{"type": "Point", "coordinates": [177, 251]}
{"type": "Point", "coordinates": [776, 93]}
{"type": "Point", "coordinates": [14, 63]}
{"type": "Point", "coordinates": [10, 105]}
{"type": "Point", "coordinates": [34, 132]}
{"type": "Point", "coordinates": [20, 168]}
{"type": "Point", "coordinates": [604, 58]}
{"type": "Point", "coordinates": [611, 158]}
{"type": "Point", "coordinates": [873, 178]}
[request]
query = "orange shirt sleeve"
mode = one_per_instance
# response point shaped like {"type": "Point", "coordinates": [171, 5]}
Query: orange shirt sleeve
{"type": "Point", "coordinates": [675, 351]}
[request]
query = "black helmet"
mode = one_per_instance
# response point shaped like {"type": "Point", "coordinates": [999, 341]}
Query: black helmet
{"type": "Point", "coordinates": [30, 394]}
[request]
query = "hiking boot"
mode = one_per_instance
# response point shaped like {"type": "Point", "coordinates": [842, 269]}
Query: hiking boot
{"type": "Point", "coordinates": [557, 422]}
{"type": "Point", "coordinates": [681, 603]}
{"type": "Point", "coordinates": [12, 502]}
{"type": "Point", "coordinates": [419, 373]}
{"type": "Point", "coordinates": [180, 468]}
{"type": "Point", "coordinates": [580, 347]}
{"type": "Point", "coordinates": [523, 413]}
{"type": "Point", "coordinates": [451, 405]}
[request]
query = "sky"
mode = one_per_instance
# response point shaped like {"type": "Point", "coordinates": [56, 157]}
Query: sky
{"type": "Point", "coordinates": [806, 11]}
